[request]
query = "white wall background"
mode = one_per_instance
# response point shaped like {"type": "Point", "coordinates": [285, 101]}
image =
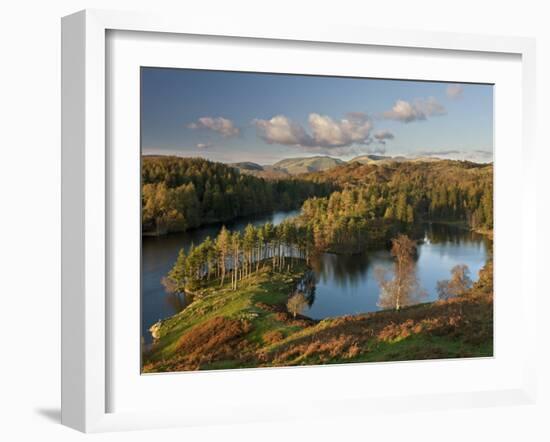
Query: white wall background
{"type": "Point", "coordinates": [30, 214]}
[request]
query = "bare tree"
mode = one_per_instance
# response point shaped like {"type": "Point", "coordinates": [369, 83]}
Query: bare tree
{"type": "Point", "coordinates": [403, 288]}
{"type": "Point", "coordinates": [458, 285]}
{"type": "Point", "coordinates": [296, 303]}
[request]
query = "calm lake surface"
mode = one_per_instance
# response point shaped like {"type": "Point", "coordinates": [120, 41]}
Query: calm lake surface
{"type": "Point", "coordinates": [345, 284]}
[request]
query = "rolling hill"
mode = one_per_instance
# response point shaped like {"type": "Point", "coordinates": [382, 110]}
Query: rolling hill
{"type": "Point", "coordinates": [294, 166]}
{"type": "Point", "coordinates": [289, 166]}
{"type": "Point", "coordinates": [247, 165]}
{"type": "Point", "coordinates": [372, 159]}
{"type": "Point", "coordinates": [305, 165]}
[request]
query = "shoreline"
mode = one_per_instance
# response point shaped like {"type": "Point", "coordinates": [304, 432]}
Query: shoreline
{"type": "Point", "coordinates": [252, 327]}
{"type": "Point", "coordinates": [213, 223]}
{"type": "Point", "coordinates": [197, 294]}
{"type": "Point", "coordinates": [422, 331]}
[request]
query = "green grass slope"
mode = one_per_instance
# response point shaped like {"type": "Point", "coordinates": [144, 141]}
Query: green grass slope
{"type": "Point", "coordinates": [251, 327]}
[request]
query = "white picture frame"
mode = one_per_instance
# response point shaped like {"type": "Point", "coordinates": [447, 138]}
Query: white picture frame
{"type": "Point", "coordinates": [85, 211]}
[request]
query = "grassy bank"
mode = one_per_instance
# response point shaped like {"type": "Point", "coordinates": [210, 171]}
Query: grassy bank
{"type": "Point", "coordinates": [225, 328]}
{"type": "Point", "coordinates": [251, 327]}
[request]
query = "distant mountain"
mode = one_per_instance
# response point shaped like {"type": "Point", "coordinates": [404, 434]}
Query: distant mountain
{"type": "Point", "coordinates": [369, 158]}
{"type": "Point", "coordinates": [254, 169]}
{"type": "Point", "coordinates": [294, 166]}
{"type": "Point", "coordinates": [425, 159]}
{"type": "Point", "coordinates": [247, 165]}
{"type": "Point", "coordinates": [288, 166]}
{"type": "Point", "coordinates": [382, 159]}
{"type": "Point", "coordinates": [373, 159]}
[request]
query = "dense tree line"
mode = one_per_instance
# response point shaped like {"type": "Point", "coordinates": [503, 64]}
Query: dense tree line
{"type": "Point", "coordinates": [375, 205]}
{"type": "Point", "coordinates": [382, 201]}
{"type": "Point", "coordinates": [182, 193]}
{"type": "Point", "coordinates": [416, 191]}
{"type": "Point", "coordinates": [235, 256]}
{"type": "Point", "coordinates": [354, 220]}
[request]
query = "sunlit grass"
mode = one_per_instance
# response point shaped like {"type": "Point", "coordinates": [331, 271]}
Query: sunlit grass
{"type": "Point", "coordinates": [270, 336]}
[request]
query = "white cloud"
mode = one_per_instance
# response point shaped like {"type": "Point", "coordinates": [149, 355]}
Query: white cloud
{"type": "Point", "coordinates": [204, 145]}
{"type": "Point", "coordinates": [455, 91]}
{"type": "Point", "coordinates": [420, 109]}
{"type": "Point", "coordinates": [282, 130]}
{"type": "Point", "coordinates": [325, 133]}
{"type": "Point", "coordinates": [221, 125]}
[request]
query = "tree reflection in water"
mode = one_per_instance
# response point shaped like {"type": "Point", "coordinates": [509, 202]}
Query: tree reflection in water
{"type": "Point", "coordinates": [178, 301]}
{"type": "Point", "coordinates": [437, 233]}
{"type": "Point", "coordinates": [345, 284]}
{"type": "Point", "coordinates": [345, 271]}
{"type": "Point", "coordinates": [306, 285]}
{"type": "Point", "coordinates": [337, 285]}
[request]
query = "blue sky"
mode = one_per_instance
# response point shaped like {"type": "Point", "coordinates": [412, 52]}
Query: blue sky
{"type": "Point", "coordinates": [236, 116]}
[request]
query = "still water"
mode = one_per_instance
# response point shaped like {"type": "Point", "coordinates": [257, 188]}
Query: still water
{"type": "Point", "coordinates": [344, 284]}
{"type": "Point", "coordinates": [159, 255]}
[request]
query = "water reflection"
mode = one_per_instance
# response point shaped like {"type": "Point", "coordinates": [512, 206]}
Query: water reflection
{"type": "Point", "coordinates": [339, 284]}
{"type": "Point", "coordinates": [345, 271]}
{"type": "Point", "coordinates": [178, 301]}
{"type": "Point", "coordinates": [346, 284]}
{"type": "Point", "coordinates": [306, 286]}
{"type": "Point", "coordinates": [450, 234]}
{"type": "Point", "coordinates": [158, 256]}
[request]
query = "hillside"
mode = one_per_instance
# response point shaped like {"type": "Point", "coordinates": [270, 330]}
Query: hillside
{"type": "Point", "coordinates": [251, 327]}
{"type": "Point", "coordinates": [288, 167]}
{"type": "Point", "coordinates": [258, 171]}
{"type": "Point", "coordinates": [459, 173]}
{"type": "Point", "coordinates": [246, 165]}
{"type": "Point", "coordinates": [376, 159]}
{"type": "Point", "coordinates": [296, 166]}
{"type": "Point", "coordinates": [184, 193]}
{"type": "Point", "coordinates": [382, 159]}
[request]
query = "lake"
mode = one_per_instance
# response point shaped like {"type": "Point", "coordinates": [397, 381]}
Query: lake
{"type": "Point", "coordinates": [344, 284]}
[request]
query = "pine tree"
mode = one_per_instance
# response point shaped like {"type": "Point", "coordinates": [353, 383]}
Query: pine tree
{"type": "Point", "coordinates": [175, 281]}
{"type": "Point", "coordinates": [236, 250]}
{"type": "Point", "coordinates": [249, 242]}
{"type": "Point", "coordinates": [223, 244]}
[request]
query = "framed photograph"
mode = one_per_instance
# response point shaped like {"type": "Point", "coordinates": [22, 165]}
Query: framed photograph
{"type": "Point", "coordinates": [251, 213]}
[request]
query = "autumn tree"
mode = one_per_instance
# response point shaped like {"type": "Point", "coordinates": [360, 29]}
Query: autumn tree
{"type": "Point", "coordinates": [366, 212]}
{"type": "Point", "coordinates": [458, 285]}
{"type": "Point", "coordinates": [403, 288]}
{"type": "Point", "coordinates": [182, 193]}
{"type": "Point", "coordinates": [155, 206]}
{"type": "Point", "coordinates": [174, 282]}
{"type": "Point", "coordinates": [296, 303]}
